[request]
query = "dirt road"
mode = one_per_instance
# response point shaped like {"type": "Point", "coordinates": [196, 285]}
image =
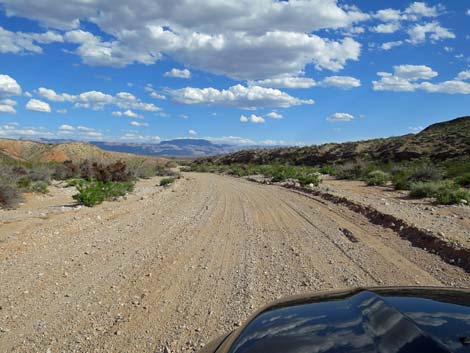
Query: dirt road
{"type": "Point", "coordinates": [175, 267]}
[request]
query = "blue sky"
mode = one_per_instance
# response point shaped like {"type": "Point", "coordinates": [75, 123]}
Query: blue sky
{"type": "Point", "coordinates": [243, 72]}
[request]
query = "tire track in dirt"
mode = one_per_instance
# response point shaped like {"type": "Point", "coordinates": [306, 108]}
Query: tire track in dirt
{"type": "Point", "coordinates": [176, 267]}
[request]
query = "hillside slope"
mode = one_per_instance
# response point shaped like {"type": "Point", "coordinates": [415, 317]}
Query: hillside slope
{"type": "Point", "coordinates": [439, 142]}
{"type": "Point", "coordinates": [32, 151]}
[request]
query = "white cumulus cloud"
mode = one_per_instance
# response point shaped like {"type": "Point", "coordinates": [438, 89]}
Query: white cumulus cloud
{"type": "Point", "coordinates": [343, 82]}
{"type": "Point", "coordinates": [433, 30]}
{"type": "Point", "coordinates": [128, 113]}
{"type": "Point", "coordinates": [97, 100]}
{"type": "Point", "coordinates": [409, 78]}
{"type": "Point", "coordinates": [139, 124]}
{"type": "Point", "coordinates": [9, 86]}
{"type": "Point", "coordinates": [19, 42]}
{"type": "Point", "coordinates": [7, 106]}
{"type": "Point", "coordinates": [386, 27]}
{"type": "Point", "coordinates": [340, 117]}
{"type": "Point", "coordinates": [286, 82]}
{"type": "Point", "coordinates": [192, 132]}
{"type": "Point", "coordinates": [52, 96]}
{"type": "Point", "coordinates": [274, 115]}
{"type": "Point", "coordinates": [66, 127]}
{"type": "Point", "coordinates": [252, 119]}
{"type": "Point", "coordinates": [176, 73]}
{"type": "Point", "coordinates": [38, 106]}
{"type": "Point", "coordinates": [390, 45]}
{"type": "Point", "coordinates": [414, 72]}
{"type": "Point", "coordinates": [239, 96]}
{"type": "Point", "coordinates": [219, 37]}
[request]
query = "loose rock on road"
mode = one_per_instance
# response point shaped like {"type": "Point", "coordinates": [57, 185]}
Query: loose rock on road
{"type": "Point", "coordinates": [172, 268]}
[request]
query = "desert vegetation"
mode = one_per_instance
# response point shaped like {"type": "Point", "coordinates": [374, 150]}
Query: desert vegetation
{"type": "Point", "coordinates": [433, 163]}
{"type": "Point", "coordinates": [447, 183]}
{"type": "Point", "coordinates": [167, 181]}
{"type": "Point", "coordinates": [94, 181]}
{"type": "Point", "coordinates": [304, 175]}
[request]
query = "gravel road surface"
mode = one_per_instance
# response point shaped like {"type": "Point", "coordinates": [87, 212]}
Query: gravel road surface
{"type": "Point", "coordinates": [170, 268]}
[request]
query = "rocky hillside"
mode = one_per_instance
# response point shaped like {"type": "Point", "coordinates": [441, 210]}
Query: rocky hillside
{"type": "Point", "coordinates": [439, 142]}
{"type": "Point", "coordinates": [32, 151]}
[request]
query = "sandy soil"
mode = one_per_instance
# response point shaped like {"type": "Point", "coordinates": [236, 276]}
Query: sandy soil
{"type": "Point", "coordinates": [451, 223]}
{"type": "Point", "coordinates": [170, 268]}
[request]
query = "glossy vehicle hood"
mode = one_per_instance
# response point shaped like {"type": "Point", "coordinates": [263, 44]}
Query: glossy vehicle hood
{"type": "Point", "coordinates": [386, 320]}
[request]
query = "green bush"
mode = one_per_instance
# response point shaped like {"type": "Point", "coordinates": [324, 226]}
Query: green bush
{"type": "Point", "coordinates": [431, 188]}
{"type": "Point", "coordinates": [40, 186]}
{"type": "Point", "coordinates": [456, 168]}
{"type": "Point", "coordinates": [95, 192]}
{"type": "Point", "coordinates": [202, 168]}
{"type": "Point", "coordinates": [10, 196]}
{"type": "Point", "coordinates": [377, 177]}
{"type": "Point", "coordinates": [463, 180]}
{"type": "Point", "coordinates": [426, 172]}
{"type": "Point", "coordinates": [307, 179]}
{"type": "Point", "coordinates": [24, 183]}
{"type": "Point", "coordinates": [450, 197]}
{"type": "Point", "coordinates": [351, 170]}
{"type": "Point", "coordinates": [167, 181]}
{"type": "Point", "coordinates": [401, 181]}
{"type": "Point", "coordinates": [328, 169]}
{"type": "Point", "coordinates": [75, 182]}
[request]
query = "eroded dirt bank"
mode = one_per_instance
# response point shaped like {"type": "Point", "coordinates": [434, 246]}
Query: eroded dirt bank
{"type": "Point", "coordinates": [174, 267]}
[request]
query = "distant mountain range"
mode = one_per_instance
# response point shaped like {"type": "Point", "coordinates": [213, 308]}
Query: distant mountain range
{"type": "Point", "coordinates": [172, 148]}
{"type": "Point", "coordinates": [182, 148]}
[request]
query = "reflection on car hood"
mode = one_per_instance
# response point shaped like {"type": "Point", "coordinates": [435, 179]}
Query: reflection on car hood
{"type": "Point", "coordinates": [382, 320]}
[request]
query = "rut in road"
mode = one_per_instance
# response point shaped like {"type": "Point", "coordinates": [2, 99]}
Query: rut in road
{"type": "Point", "coordinates": [177, 267]}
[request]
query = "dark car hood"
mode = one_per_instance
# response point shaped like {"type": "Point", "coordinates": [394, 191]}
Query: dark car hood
{"type": "Point", "coordinates": [374, 320]}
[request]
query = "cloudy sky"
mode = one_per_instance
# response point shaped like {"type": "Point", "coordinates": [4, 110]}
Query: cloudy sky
{"type": "Point", "coordinates": [244, 72]}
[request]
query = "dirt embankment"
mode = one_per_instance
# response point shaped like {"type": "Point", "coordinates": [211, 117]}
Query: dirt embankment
{"type": "Point", "coordinates": [170, 268]}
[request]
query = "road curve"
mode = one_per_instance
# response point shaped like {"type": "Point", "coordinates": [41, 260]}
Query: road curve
{"type": "Point", "coordinates": [175, 267]}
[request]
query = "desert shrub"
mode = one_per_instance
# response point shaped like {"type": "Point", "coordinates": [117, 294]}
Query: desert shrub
{"type": "Point", "coordinates": [10, 196]}
{"type": "Point", "coordinates": [401, 181]}
{"type": "Point", "coordinates": [19, 171]}
{"type": "Point", "coordinates": [450, 197]}
{"type": "Point", "coordinates": [239, 170]}
{"type": "Point", "coordinates": [40, 172]}
{"type": "Point", "coordinates": [278, 172]}
{"type": "Point", "coordinates": [312, 178]}
{"type": "Point", "coordinates": [202, 168]}
{"type": "Point", "coordinates": [95, 192]}
{"type": "Point", "coordinates": [116, 172]}
{"type": "Point", "coordinates": [186, 168]}
{"type": "Point", "coordinates": [172, 173]}
{"type": "Point", "coordinates": [65, 171]}
{"type": "Point", "coordinates": [403, 176]}
{"type": "Point", "coordinates": [328, 169]}
{"type": "Point", "coordinates": [40, 187]}
{"type": "Point", "coordinates": [456, 168]}
{"type": "Point", "coordinates": [171, 164]}
{"type": "Point", "coordinates": [430, 189]}
{"type": "Point", "coordinates": [24, 183]}
{"type": "Point", "coordinates": [162, 171]}
{"type": "Point", "coordinates": [144, 171]}
{"type": "Point", "coordinates": [377, 177]}
{"type": "Point", "coordinates": [167, 181]}
{"type": "Point", "coordinates": [426, 172]}
{"type": "Point", "coordinates": [463, 180]}
{"type": "Point", "coordinates": [351, 170]}
{"type": "Point", "coordinates": [75, 182]}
